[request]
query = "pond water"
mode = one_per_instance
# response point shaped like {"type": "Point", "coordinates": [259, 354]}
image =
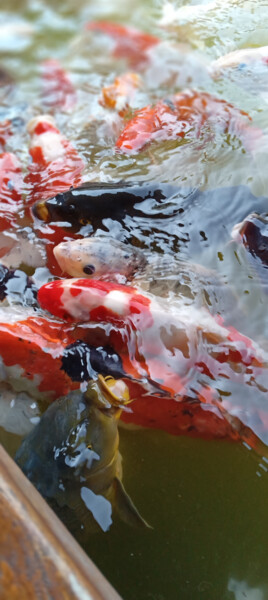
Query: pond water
{"type": "Point", "coordinates": [206, 500]}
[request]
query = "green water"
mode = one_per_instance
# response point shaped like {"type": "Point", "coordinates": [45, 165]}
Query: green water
{"type": "Point", "coordinates": [206, 501]}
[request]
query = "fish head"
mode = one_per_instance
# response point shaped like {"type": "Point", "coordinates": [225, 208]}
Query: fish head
{"type": "Point", "coordinates": [77, 437]}
{"type": "Point", "coordinates": [58, 208]}
{"type": "Point", "coordinates": [91, 443]}
{"type": "Point", "coordinates": [253, 233]}
{"type": "Point", "coordinates": [98, 257]}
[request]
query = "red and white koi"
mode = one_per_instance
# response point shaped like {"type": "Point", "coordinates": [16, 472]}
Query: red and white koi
{"type": "Point", "coordinates": [130, 44]}
{"type": "Point", "coordinates": [184, 352]}
{"type": "Point", "coordinates": [56, 165]}
{"type": "Point", "coordinates": [55, 161]}
{"type": "Point", "coordinates": [58, 90]}
{"type": "Point", "coordinates": [10, 190]}
{"type": "Point", "coordinates": [183, 116]}
{"type": "Point", "coordinates": [181, 328]}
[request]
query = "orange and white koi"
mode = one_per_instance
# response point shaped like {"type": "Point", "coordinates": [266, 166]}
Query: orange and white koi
{"type": "Point", "coordinates": [119, 94]}
{"type": "Point", "coordinates": [130, 44]}
{"type": "Point", "coordinates": [58, 90]}
{"type": "Point", "coordinates": [11, 183]}
{"type": "Point", "coordinates": [183, 116]}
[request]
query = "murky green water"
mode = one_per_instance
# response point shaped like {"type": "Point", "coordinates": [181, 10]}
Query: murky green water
{"type": "Point", "coordinates": [206, 501]}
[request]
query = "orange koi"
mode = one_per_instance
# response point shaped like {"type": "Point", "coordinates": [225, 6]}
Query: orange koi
{"type": "Point", "coordinates": [119, 94]}
{"type": "Point", "coordinates": [130, 44]}
{"type": "Point", "coordinates": [183, 116]}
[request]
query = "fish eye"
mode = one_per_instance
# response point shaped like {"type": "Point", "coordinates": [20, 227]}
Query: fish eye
{"type": "Point", "coordinates": [89, 446]}
{"type": "Point", "coordinates": [89, 269]}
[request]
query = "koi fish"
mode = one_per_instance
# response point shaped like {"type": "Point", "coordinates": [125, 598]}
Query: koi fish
{"type": "Point", "coordinates": [47, 358]}
{"type": "Point", "coordinates": [92, 202]}
{"type": "Point", "coordinates": [79, 466]}
{"type": "Point", "coordinates": [99, 256]}
{"type": "Point", "coordinates": [94, 300]}
{"type": "Point", "coordinates": [185, 352]}
{"type": "Point", "coordinates": [252, 233]}
{"type": "Point", "coordinates": [58, 90]}
{"type": "Point", "coordinates": [83, 362]}
{"type": "Point", "coordinates": [182, 116]}
{"type": "Point", "coordinates": [239, 59]}
{"type": "Point", "coordinates": [55, 161]}
{"type": "Point", "coordinates": [10, 190]}
{"type": "Point", "coordinates": [130, 44]}
{"type": "Point", "coordinates": [170, 212]}
{"type": "Point", "coordinates": [163, 275]}
{"type": "Point", "coordinates": [119, 94]}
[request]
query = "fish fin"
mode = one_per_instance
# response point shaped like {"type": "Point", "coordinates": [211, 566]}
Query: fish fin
{"type": "Point", "coordinates": [125, 507]}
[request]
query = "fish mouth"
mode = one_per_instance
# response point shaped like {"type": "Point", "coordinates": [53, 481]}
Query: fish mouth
{"type": "Point", "coordinates": [40, 211]}
{"type": "Point", "coordinates": [115, 390]}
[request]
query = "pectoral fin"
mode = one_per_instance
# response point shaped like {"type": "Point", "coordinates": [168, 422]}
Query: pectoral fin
{"type": "Point", "coordinates": [125, 507]}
